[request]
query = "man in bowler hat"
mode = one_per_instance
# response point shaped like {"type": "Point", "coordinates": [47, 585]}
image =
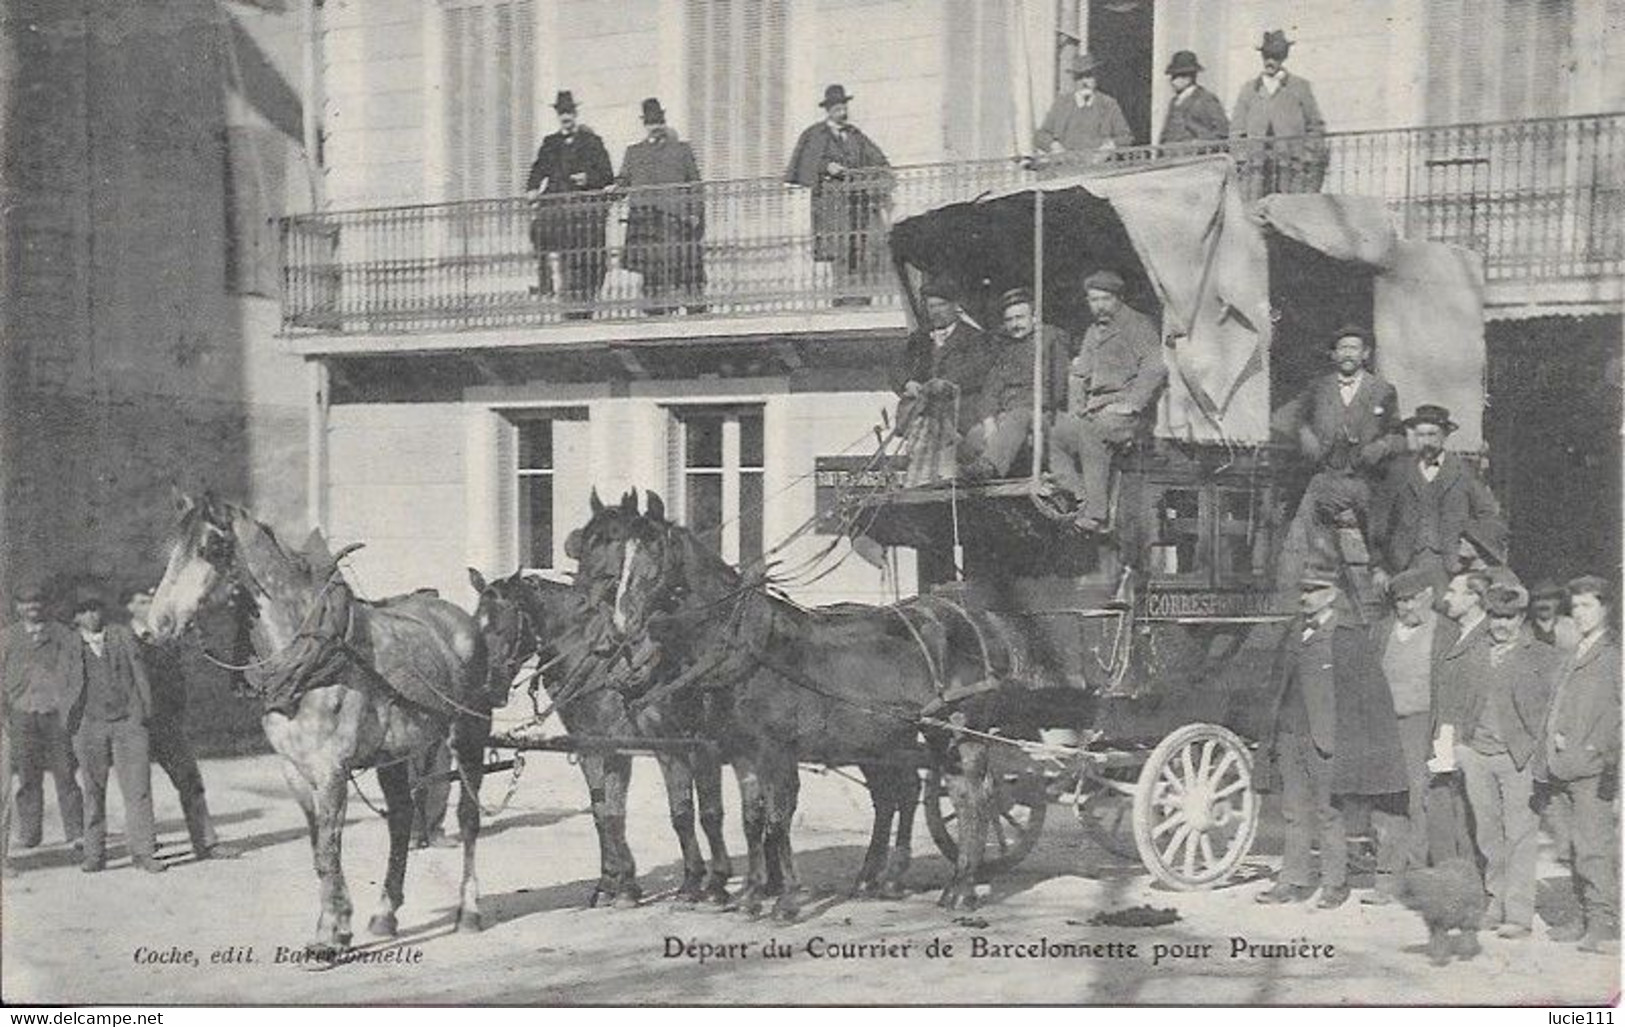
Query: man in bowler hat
{"type": "Point", "coordinates": [32, 660]}
{"type": "Point", "coordinates": [1085, 120]}
{"type": "Point", "coordinates": [1194, 114]}
{"type": "Point", "coordinates": [107, 707]}
{"type": "Point", "coordinates": [566, 183]}
{"type": "Point", "coordinates": [850, 192]}
{"type": "Point", "coordinates": [1430, 500]}
{"type": "Point", "coordinates": [1279, 132]}
{"type": "Point", "coordinates": [665, 216]}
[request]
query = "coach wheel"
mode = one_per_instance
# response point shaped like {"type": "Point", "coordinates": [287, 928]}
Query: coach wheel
{"type": "Point", "coordinates": [1014, 823]}
{"type": "Point", "coordinates": [1195, 810]}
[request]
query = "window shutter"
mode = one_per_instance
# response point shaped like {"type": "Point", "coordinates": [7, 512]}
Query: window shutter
{"type": "Point", "coordinates": [490, 96]}
{"type": "Point", "coordinates": [507, 495]}
{"type": "Point", "coordinates": [736, 56]}
{"type": "Point", "coordinates": [674, 466]}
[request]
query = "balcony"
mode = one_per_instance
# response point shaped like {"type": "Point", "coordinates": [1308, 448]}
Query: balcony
{"type": "Point", "coordinates": [1543, 202]}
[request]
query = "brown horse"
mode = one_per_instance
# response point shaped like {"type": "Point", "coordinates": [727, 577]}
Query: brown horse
{"type": "Point", "coordinates": [526, 616]}
{"type": "Point", "coordinates": [346, 685]}
{"type": "Point", "coordinates": [841, 686]}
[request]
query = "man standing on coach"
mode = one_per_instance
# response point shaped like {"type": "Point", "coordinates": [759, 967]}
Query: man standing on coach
{"type": "Point", "coordinates": [32, 653]}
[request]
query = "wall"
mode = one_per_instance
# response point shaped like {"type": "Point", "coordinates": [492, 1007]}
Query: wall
{"type": "Point", "coordinates": [376, 97]}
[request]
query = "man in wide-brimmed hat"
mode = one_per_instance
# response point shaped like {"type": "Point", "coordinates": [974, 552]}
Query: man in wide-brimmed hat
{"type": "Point", "coordinates": [1083, 120]}
{"type": "Point", "coordinates": [665, 216]}
{"type": "Point", "coordinates": [32, 659]}
{"type": "Point", "coordinates": [1431, 500]}
{"type": "Point", "coordinates": [1112, 384]}
{"type": "Point", "coordinates": [567, 181]}
{"type": "Point", "coordinates": [850, 192]}
{"type": "Point", "coordinates": [1194, 114]}
{"type": "Point", "coordinates": [1285, 133]}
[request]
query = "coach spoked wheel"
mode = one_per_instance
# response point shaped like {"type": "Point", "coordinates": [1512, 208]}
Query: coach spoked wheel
{"type": "Point", "coordinates": [1014, 823]}
{"type": "Point", "coordinates": [1195, 810]}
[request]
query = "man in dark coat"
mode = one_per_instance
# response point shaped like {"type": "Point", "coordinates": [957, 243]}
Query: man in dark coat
{"type": "Point", "coordinates": [567, 182]}
{"type": "Point", "coordinates": [1112, 383]}
{"type": "Point", "coordinates": [1084, 121]}
{"type": "Point", "coordinates": [1278, 106]}
{"type": "Point", "coordinates": [1335, 739]}
{"type": "Point", "coordinates": [1006, 415]}
{"type": "Point", "coordinates": [1497, 727]}
{"type": "Point", "coordinates": [1409, 645]}
{"type": "Point", "coordinates": [850, 192]}
{"type": "Point", "coordinates": [32, 657]}
{"type": "Point", "coordinates": [1194, 114]}
{"type": "Point", "coordinates": [106, 709]}
{"type": "Point", "coordinates": [1431, 500]}
{"type": "Point", "coordinates": [1577, 762]}
{"type": "Point", "coordinates": [947, 358]}
{"type": "Point", "coordinates": [1463, 663]}
{"type": "Point", "coordinates": [1347, 421]}
{"type": "Point", "coordinates": [166, 732]}
{"type": "Point", "coordinates": [665, 216]}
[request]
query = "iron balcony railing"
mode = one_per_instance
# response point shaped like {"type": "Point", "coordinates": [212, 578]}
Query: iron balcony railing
{"type": "Point", "coordinates": [1540, 200]}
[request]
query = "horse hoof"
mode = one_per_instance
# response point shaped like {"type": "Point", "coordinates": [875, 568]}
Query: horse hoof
{"type": "Point", "coordinates": [715, 892]}
{"type": "Point", "coordinates": [383, 925]}
{"type": "Point", "coordinates": [625, 900]}
{"type": "Point", "coordinates": [326, 951]}
{"type": "Point", "coordinates": [956, 899]}
{"type": "Point", "coordinates": [468, 922]}
{"type": "Point", "coordinates": [786, 912]}
{"type": "Point", "coordinates": [865, 889]}
{"type": "Point", "coordinates": [893, 891]}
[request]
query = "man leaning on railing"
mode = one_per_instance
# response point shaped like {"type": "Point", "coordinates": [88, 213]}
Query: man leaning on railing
{"type": "Point", "coordinates": [665, 218]}
{"type": "Point", "coordinates": [850, 194]}
{"type": "Point", "coordinates": [1281, 107]}
{"type": "Point", "coordinates": [571, 161]}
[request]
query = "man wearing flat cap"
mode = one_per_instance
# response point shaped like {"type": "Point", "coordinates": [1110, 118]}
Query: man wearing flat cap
{"type": "Point", "coordinates": [1112, 383]}
{"type": "Point", "coordinates": [665, 215]}
{"type": "Point", "coordinates": [1085, 120]}
{"type": "Point", "coordinates": [1497, 727]}
{"type": "Point", "coordinates": [1547, 621]}
{"type": "Point", "coordinates": [106, 709]}
{"type": "Point", "coordinates": [1577, 763]}
{"type": "Point", "coordinates": [567, 182]}
{"type": "Point", "coordinates": [1279, 133]}
{"type": "Point", "coordinates": [32, 674]}
{"type": "Point", "coordinates": [850, 193]}
{"type": "Point", "coordinates": [1006, 414]}
{"type": "Point", "coordinates": [1409, 644]}
{"type": "Point", "coordinates": [1431, 500]}
{"type": "Point", "coordinates": [1194, 114]}
{"type": "Point", "coordinates": [1334, 741]}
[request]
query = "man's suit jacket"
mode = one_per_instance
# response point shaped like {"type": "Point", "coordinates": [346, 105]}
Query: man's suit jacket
{"type": "Point", "coordinates": [1526, 673]}
{"type": "Point", "coordinates": [1118, 361]}
{"type": "Point", "coordinates": [963, 359]}
{"type": "Point", "coordinates": [1351, 712]}
{"type": "Point", "coordinates": [1464, 504]}
{"type": "Point", "coordinates": [1585, 712]}
{"type": "Point", "coordinates": [1199, 116]}
{"type": "Point", "coordinates": [124, 658]}
{"type": "Point", "coordinates": [1361, 435]}
{"type": "Point", "coordinates": [1457, 674]}
{"type": "Point", "coordinates": [1444, 636]}
{"type": "Point", "coordinates": [1290, 114]}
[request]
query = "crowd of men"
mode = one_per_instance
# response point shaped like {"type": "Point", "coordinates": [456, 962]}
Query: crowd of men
{"type": "Point", "coordinates": [1423, 687]}
{"type": "Point", "coordinates": [93, 700]}
{"type": "Point", "coordinates": [1276, 133]}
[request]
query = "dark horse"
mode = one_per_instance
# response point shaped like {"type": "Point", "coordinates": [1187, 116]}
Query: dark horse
{"type": "Point", "coordinates": [345, 684]}
{"type": "Point", "coordinates": [844, 685]}
{"type": "Point", "coordinates": [524, 617]}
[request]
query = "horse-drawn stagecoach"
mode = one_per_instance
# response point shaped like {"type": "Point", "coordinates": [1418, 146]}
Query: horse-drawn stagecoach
{"type": "Point", "coordinates": [1124, 671]}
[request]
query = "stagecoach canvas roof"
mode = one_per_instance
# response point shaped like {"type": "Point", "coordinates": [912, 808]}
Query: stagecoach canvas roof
{"type": "Point", "coordinates": [1201, 250]}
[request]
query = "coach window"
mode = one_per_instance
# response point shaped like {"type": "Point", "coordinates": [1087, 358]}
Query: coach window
{"type": "Point", "coordinates": [716, 460]}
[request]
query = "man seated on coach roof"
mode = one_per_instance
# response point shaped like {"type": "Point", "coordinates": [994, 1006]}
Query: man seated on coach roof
{"type": "Point", "coordinates": [1006, 409]}
{"type": "Point", "coordinates": [946, 361]}
{"type": "Point", "coordinates": [1111, 384]}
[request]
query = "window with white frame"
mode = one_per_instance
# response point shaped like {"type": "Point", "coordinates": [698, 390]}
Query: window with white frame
{"type": "Point", "coordinates": [489, 95]}
{"type": "Point", "coordinates": [548, 459]}
{"type": "Point", "coordinates": [715, 464]}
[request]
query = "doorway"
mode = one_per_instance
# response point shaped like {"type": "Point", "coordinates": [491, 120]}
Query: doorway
{"type": "Point", "coordinates": [1120, 35]}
